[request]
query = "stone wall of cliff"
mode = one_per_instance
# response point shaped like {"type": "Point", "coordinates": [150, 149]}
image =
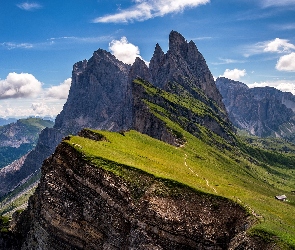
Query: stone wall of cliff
{"type": "Point", "coordinates": [261, 111]}
{"type": "Point", "coordinates": [81, 206]}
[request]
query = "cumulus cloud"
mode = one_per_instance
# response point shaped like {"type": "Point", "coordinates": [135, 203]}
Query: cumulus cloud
{"type": "Point", "coordinates": [286, 63]}
{"type": "Point", "coordinates": [283, 85]}
{"type": "Point", "coordinates": [234, 74]}
{"type": "Point", "coordinates": [19, 85]}
{"type": "Point", "coordinates": [29, 6]}
{"type": "Point", "coordinates": [61, 91]}
{"type": "Point", "coordinates": [124, 51]}
{"type": "Point", "coordinates": [273, 46]}
{"type": "Point", "coordinates": [278, 45]}
{"type": "Point", "coordinates": [146, 9]}
{"type": "Point", "coordinates": [41, 109]}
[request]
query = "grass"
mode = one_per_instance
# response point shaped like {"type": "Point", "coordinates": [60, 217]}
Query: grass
{"type": "Point", "coordinates": [247, 174]}
{"type": "Point", "coordinates": [205, 168]}
{"type": "Point", "coordinates": [4, 224]}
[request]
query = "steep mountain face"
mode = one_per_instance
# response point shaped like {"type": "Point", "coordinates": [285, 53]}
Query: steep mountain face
{"type": "Point", "coordinates": [261, 111]}
{"type": "Point", "coordinates": [101, 96]}
{"type": "Point", "coordinates": [97, 95]}
{"type": "Point", "coordinates": [185, 65]}
{"type": "Point", "coordinates": [81, 206]}
{"type": "Point", "coordinates": [152, 106]}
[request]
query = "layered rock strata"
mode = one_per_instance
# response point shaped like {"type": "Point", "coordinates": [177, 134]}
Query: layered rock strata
{"type": "Point", "coordinates": [81, 206]}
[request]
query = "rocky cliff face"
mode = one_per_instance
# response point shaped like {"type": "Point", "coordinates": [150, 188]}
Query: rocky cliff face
{"type": "Point", "coordinates": [180, 106]}
{"type": "Point", "coordinates": [261, 111]}
{"type": "Point", "coordinates": [81, 206]}
{"type": "Point", "coordinates": [97, 95]}
{"type": "Point", "coordinates": [101, 95]}
{"type": "Point", "coordinates": [184, 64]}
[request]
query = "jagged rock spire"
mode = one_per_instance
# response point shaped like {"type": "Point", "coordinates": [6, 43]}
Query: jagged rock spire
{"type": "Point", "coordinates": [139, 69]}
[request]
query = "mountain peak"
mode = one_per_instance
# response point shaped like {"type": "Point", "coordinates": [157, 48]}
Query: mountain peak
{"type": "Point", "coordinates": [139, 69]}
{"type": "Point", "coordinates": [177, 42]}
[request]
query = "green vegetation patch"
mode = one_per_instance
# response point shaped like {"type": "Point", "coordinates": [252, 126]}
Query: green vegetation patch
{"type": "Point", "coordinates": [4, 224]}
{"type": "Point", "coordinates": [229, 173]}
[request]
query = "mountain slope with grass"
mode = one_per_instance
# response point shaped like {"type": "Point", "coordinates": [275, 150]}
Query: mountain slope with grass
{"type": "Point", "coordinates": [171, 175]}
{"type": "Point", "coordinates": [106, 189]}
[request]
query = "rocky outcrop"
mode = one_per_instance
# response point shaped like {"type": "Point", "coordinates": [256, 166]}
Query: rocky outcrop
{"type": "Point", "coordinates": [97, 95]}
{"type": "Point", "coordinates": [261, 111]}
{"type": "Point", "coordinates": [101, 95]}
{"type": "Point", "coordinates": [7, 175]}
{"type": "Point", "coordinates": [184, 64]}
{"type": "Point", "coordinates": [81, 206]}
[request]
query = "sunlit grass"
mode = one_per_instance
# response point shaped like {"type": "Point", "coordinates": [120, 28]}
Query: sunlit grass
{"type": "Point", "coordinates": [203, 168]}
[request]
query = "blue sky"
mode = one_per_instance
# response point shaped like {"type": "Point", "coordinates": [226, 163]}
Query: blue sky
{"type": "Point", "coordinates": [248, 40]}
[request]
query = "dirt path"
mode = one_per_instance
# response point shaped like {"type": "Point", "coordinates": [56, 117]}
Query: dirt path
{"type": "Point", "coordinates": [194, 173]}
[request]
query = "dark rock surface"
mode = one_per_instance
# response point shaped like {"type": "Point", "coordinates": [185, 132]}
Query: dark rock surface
{"type": "Point", "coordinates": [97, 95]}
{"type": "Point", "coordinates": [101, 96]}
{"type": "Point", "coordinates": [80, 206]}
{"type": "Point", "coordinates": [184, 64]}
{"type": "Point", "coordinates": [261, 111]}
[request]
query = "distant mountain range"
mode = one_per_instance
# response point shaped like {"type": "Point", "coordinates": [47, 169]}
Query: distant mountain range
{"type": "Point", "coordinates": [7, 121]}
{"type": "Point", "coordinates": [20, 137]}
{"type": "Point", "coordinates": [262, 111]}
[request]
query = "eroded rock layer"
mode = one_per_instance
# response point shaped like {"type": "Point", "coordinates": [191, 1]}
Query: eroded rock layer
{"type": "Point", "coordinates": [81, 206]}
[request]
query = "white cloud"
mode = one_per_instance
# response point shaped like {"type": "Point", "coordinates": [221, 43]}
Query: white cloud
{"type": "Point", "coordinates": [41, 109]}
{"type": "Point", "coordinates": [29, 6]}
{"type": "Point", "coordinates": [124, 51]}
{"type": "Point", "coordinates": [61, 91]}
{"type": "Point", "coordinates": [283, 85]}
{"type": "Point", "coordinates": [286, 63]}
{"type": "Point", "coordinates": [10, 45]}
{"type": "Point", "coordinates": [76, 39]}
{"type": "Point", "coordinates": [274, 46]}
{"type": "Point", "coordinates": [55, 41]}
{"type": "Point", "coordinates": [278, 45]}
{"type": "Point", "coordinates": [146, 9]}
{"type": "Point", "coordinates": [288, 26]}
{"type": "Point", "coordinates": [234, 74]}
{"type": "Point", "coordinates": [270, 3]}
{"type": "Point", "coordinates": [19, 86]}
{"type": "Point", "coordinates": [227, 61]}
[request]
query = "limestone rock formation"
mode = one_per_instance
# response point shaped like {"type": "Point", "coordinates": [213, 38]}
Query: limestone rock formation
{"type": "Point", "coordinates": [101, 95]}
{"type": "Point", "coordinates": [261, 111]}
{"type": "Point", "coordinates": [97, 95]}
{"type": "Point", "coordinates": [184, 64]}
{"type": "Point", "coordinates": [80, 206]}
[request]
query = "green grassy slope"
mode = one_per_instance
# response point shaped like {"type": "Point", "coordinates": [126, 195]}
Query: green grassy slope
{"type": "Point", "coordinates": [205, 168]}
{"type": "Point", "coordinates": [206, 162]}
